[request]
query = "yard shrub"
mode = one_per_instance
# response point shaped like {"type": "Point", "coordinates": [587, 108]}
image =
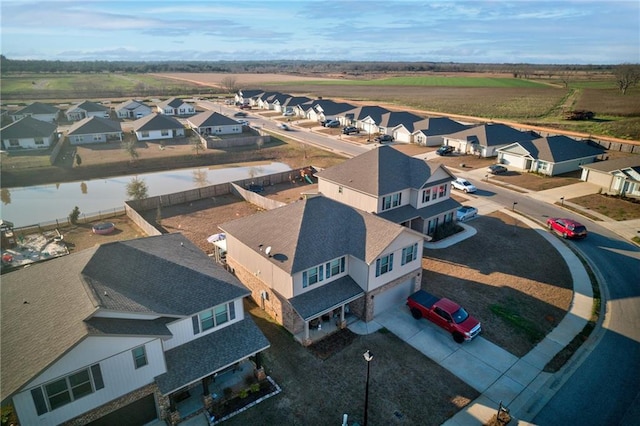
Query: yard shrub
{"type": "Point", "coordinates": [74, 215]}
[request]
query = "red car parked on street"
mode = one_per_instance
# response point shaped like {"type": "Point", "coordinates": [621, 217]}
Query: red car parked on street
{"type": "Point", "coordinates": [568, 228]}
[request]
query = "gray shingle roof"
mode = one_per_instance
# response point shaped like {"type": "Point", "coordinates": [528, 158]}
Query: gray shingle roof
{"type": "Point", "coordinates": [89, 106]}
{"type": "Point", "coordinates": [362, 112]}
{"type": "Point", "coordinates": [436, 126]}
{"type": "Point", "coordinates": [210, 353]}
{"type": "Point", "coordinates": [210, 119]}
{"type": "Point", "coordinates": [613, 165]}
{"type": "Point", "coordinates": [311, 303]}
{"type": "Point", "coordinates": [164, 275]}
{"type": "Point", "coordinates": [156, 122]}
{"type": "Point", "coordinates": [380, 171]}
{"type": "Point", "coordinates": [153, 274]}
{"type": "Point", "coordinates": [129, 327]}
{"type": "Point", "coordinates": [172, 102]}
{"type": "Point", "coordinates": [42, 310]}
{"type": "Point", "coordinates": [493, 135]}
{"type": "Point", "coordinates": [331, 108]}
{"type": "Point", "coordinates": [556, 149]}
{"type": "Point", "coordinates": [130, 105]}
{"type": "Point", "coordinates": [408, 212]}
{"type": "Point", "coordinates": [312, 231]}
{"type": "Point", "coordinates": [28, 127]}
{"type": "Point", "coordinates": [395, 118]}
{"type": "Point", "coordinates": [37, 108]}
{"type": "Point", "coordinates": [95, 125]}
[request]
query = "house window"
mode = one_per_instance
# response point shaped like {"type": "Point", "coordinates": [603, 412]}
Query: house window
{"type": "Point", "coordinates": [213, 317]}
{"type": "Point", "coordinates": [426, 195]}
{"type": "Point", "coordinates": [39, 141]}
{"type": "Point", "coordinates": [78, 138]}
{"type": "Point", "coordinates": [67, 389]}
{"type": "Point", "coordinates": [448, 217]}
{"type": "Point", "coordinates": [97, 138]}
{"type": "Point", "coordinates": [409, 254]}
{"type": "Point", "coordinates": [312, 276]}
{"type": "Point", "coordinates": [335, 267]}
{"type": "Point", "coordinates": [164, 132]}
{"type": "Point", "coordinates": [391, 201]}
{"type": "Point", "coordinates": [139, 357]}
{"type": "Point", "coordinates": [384, 264]}
{"type": "Point", "coordinates": [14, 142]}
{"type": "Point", "coordinates": [144, 134]}
{"type": "Point", "coordinates": [442, 191]}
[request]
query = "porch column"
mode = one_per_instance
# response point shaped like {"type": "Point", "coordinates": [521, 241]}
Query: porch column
{"type": "Point", "coordinates": [306, 330]}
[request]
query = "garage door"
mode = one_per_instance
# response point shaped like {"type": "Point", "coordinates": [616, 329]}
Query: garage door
{"type": "Point", "coordinates": [393, 297]}
{"type": "Point", "coordinates": [137, 413]}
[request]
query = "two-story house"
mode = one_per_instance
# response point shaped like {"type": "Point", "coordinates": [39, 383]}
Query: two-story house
{"type": "Point", "coordinates": [403, 189]}
{"type": "Point", "coordinates": [318, 259]}
{"type": "Point", "coordinates": [120, 333]}
{"type": "Point", "coordinates": [175, 106]}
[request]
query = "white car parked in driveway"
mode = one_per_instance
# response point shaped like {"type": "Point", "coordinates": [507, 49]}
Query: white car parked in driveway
{"type": "Point", "coordinates": [465, 213]}
{"type": "Point", "coordinates": [463, 185]}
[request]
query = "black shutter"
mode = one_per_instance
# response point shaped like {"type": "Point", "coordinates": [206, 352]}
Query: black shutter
{"type": "Point", "coordinates": [97, 376]}
{"type": "Point", "coordinates": [196, 324]}
{"type": "Point", "coordinates": [38, 400]}
{"type": "Point", "coordinates": [232, 311]}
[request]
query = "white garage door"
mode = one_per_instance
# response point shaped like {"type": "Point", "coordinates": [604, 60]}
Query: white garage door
{"type": "Point", "coordinates": [393, 297]}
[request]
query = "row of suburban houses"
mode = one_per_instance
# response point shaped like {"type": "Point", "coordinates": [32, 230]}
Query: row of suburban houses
{"type": "Point", "coordinates": [145, 325]}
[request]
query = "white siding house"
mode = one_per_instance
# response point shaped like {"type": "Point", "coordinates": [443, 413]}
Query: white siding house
{"type": "Point", "coordinates": [39, 111]}
{"type": "Point", "coordinates": [318, 258]}
{"type": "Point", "coordinates": [28, 133]}
{"type": "Point", "coordinates": [397, 187]}
{"type": "Point", "coordinates": [138, 323]}
{"type": "Point", "coordinates": [213, 123]}
{"type": "Point", "coordinates": [92, 130]}
{"type": "Point", "coordinates": [175, 106]}
{"type": "Point", "coordinates": [87, 109]}
{"type": "Point", "coordinates": [158, 126]}
{"type": "Point", "coordinates": [132, 109]}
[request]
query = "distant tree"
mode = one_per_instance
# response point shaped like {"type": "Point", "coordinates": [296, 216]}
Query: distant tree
{"type": "Point", "coordinates": [137, 189]}
{"type": "Point", "coordinates": [200, 177]}
{"type": "Point", "coordinates": [230, 84]}
{"type": "Point", "coordinates": [74, 215]}
{"type": "Point", "coordinates": [130, 148]}
{"type": "Point", "coordinates": [5, 196]}
{"type": "Point", "coordinates": [196, 144]}
{"type": "Point", "coordinates": [78, 160]}
{"type": "Point", "coordinates": [83, 188]}
{"type": "Point", "coordinates": [627, 76]}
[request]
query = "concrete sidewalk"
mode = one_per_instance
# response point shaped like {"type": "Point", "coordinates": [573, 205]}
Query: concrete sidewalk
{"type": "Point", "coordinates": [501, 377]}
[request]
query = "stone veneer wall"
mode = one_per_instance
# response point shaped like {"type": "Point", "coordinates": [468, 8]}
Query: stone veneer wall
{"type": "Point", "coordinates": [123, 401]}
{"type": "Point", "coordinates": [275, 305]}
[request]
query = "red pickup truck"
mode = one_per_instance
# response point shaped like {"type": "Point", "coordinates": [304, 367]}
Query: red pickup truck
{"type": "Point", "coordinates": [444, 313]}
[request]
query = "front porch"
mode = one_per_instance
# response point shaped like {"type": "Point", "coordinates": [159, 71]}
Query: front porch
{"type": "Point", "coordinates": [323, 326]}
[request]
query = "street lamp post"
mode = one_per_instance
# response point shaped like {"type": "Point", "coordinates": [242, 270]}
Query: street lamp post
{"type": "Point", "coordinates": [368, 356]}
{"type": "Point", "coordinates": [562, 201]}
{"type": "Point", "coordinates": [513, 208]}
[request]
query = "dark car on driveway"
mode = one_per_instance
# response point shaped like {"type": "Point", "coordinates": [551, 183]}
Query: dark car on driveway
{"type": "Point", "coordinates": [350, 129]}
{"type": "Point", "coordinates": [240, 114]}
{"type": "Point", "coordinates": [496, 169]}
{"type": "Point", "coordinates": [383, 138]}
{"type": "Point", "coordinates": [445, 150]}
{"type": "Point", "coordinates": [568, 228]}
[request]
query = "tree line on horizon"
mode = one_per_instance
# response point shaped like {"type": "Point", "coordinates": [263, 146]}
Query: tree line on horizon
{"type": "Point", "coordinates": [352, 68]}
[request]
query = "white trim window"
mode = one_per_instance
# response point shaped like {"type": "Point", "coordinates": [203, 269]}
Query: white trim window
{"type": "Point", "coordinates": [426, 195]}
{"type": "Point", "coordinates": [409, 254]}
{"type": "Point", "coordinates": [65, 390]}
{"type": "Point", "coordinates": [164, 132]}
{"type": "Point", "coordinates": [215, 317]}
{"type": "Point", "coordinates": [391, 201]}
{"type": "Point", "coordinates": [384, 264]}
{"type": "Point", "coordinates": [139, 356]}
{"type": "Point", "coordinates": [312, 276]}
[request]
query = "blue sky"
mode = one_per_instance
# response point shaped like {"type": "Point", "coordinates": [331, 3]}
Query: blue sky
{"type": "Point", "coordinates": [542, 32]}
